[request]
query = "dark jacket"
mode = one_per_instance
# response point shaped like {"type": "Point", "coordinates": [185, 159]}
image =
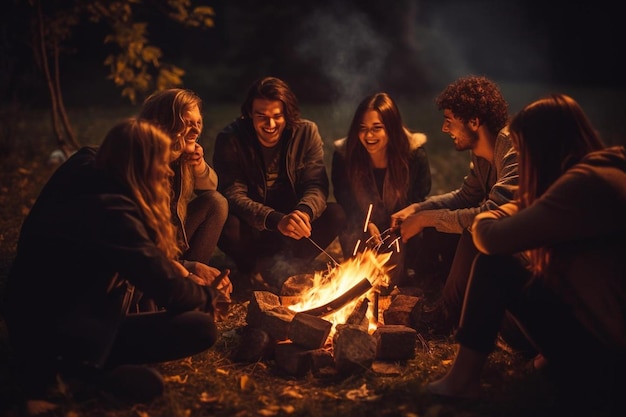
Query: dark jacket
{"type": "Point", "coordinates": [82, 249]}
{"type": "Point", "coordinates": [418, 186]}
{"type": "Point", "coordinates": [239, 164]}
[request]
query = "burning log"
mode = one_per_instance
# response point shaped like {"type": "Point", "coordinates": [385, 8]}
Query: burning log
{"type": "Point", "coordinates": [309, 331]}
{"type": "Point", "coordinates": [405, 310]}
{"type": "Point", "coordinates": [336, 304]}
{"type": "Point", "coordinates": [357, 316]}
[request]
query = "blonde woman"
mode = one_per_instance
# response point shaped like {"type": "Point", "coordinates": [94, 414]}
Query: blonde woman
{"type": "Point", "coordinates": [100, 230]}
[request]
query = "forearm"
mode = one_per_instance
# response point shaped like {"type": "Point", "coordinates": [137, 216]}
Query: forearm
{"type": "Point", "coordinates": [206, 180]}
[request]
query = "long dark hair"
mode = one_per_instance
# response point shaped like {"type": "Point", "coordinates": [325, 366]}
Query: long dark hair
{"type": "Point", "coordinates": [274, 89]}
{"type": "Point", "coordinates": [358, 161]}
{"type": "Point", "coordinates": [551, 135]}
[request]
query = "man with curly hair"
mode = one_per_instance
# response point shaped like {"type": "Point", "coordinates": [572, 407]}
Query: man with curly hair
{"type": "Point", "coordinates": [475, 115]}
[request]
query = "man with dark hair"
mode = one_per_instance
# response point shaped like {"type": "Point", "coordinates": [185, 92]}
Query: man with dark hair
{"type": "Point", "coordinates": [271, 167]}
{"type": "Point", "coordinates": [475, 115]}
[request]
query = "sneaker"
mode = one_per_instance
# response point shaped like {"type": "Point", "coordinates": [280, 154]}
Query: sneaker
{"type": "Point", "coordinates": [133, 383]}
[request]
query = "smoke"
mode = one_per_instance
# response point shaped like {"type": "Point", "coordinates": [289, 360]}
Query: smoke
{"type": "Point", "coordinates": [496, 39]}
{"type": "Point", "coordinates": [346, 50]}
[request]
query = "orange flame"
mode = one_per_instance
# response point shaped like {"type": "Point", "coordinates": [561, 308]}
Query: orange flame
{"type": "Point", "coordinates": [340, 279]}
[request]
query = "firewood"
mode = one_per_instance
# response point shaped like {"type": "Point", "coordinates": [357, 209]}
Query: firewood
{"type": "Point", "coordinates": [334, 305]}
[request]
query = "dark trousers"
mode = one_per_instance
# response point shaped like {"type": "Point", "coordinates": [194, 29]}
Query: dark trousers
{"type": "Point", "coordinates": [274, 255]}
{"type": "Point", "coordinates": [430, 255]}
{"type": "Point", "coordinates": [581, 365]}
{"type": "Point", "coordinates": [453, 291]}
{"type": "Point", "coordinates": [85, 348]}
{"type": "Point", "coordinates": [206, 215]}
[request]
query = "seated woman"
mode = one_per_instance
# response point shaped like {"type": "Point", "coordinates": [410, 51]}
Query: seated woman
{"type": "Point", "coordinates": [377, 169]}
{"type": "Point", "coordinates": [99, 230]}
{"type": "Point", "coordinates": [554, 259]}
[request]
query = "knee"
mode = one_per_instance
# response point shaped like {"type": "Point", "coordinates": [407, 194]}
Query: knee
{"type": "Point", "coordinates": [216, 203]}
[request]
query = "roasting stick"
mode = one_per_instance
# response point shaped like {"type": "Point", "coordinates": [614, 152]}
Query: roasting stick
{"type": "Point", "coordinates": [323, 251]}
{"type": "Point", "coordinates": [367, 219]}
{"type": "Point", "coordinates": [218, 279]}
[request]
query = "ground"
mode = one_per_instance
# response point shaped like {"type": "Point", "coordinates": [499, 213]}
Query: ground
{"type": "Point", "coordinates": [211, 383]}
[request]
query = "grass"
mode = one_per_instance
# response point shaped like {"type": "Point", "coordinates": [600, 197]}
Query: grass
{"type": "Point", "coordinates": [211, 384]}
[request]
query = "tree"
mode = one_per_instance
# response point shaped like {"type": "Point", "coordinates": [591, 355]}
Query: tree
{"type": "Point", "coordinates": [135, 66]}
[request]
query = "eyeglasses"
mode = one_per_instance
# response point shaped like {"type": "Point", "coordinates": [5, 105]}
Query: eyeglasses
{"type": "Point", "coordinates": [376, 130]}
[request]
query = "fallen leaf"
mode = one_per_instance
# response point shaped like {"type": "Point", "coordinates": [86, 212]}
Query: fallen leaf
{"type": "Point", "coordinates": [446, 362]}
{"type": "Point", "coordinates": [361, 394]}
{"type": "Point", "coordinates": [246, 383]}
{"type": "Point", "coordinates": [290, 392]}
{"type": "Point", "coordinates": [176, 378]}
{"type": "Point", "coordinates": [205, 398]}
{"type": "Point", "coordinates": [289, 409]}
{"type": "Point", "coordinates": [221, 371]}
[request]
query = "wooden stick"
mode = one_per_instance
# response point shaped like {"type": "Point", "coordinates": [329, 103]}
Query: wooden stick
{"type": "Point", "coordinates": [334, 305]}
{"type": "Point", "coordinates": [367, 219]}
{"type": "Point", "coordinates": [218, 279]}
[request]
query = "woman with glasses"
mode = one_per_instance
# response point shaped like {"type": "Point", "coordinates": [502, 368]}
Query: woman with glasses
{"type": "Point", "coordinates": [198, 209]}
{"type": "Point", "coordinates": [377, 169]}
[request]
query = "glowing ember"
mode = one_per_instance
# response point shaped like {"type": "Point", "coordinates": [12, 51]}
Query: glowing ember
{"type": "Point", "coordinates": [330, 285]}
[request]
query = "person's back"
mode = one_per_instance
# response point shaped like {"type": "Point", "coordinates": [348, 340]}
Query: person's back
{"type": "Point", "coordinates": [554, 260]}
{"type": "Point", "coordinates": [100, 229]}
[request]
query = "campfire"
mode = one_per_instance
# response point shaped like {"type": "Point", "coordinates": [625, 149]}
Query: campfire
{"type": "Point", "coordinates": [331, 319]}
{"type": "Point", "coordinates": [334, 294]}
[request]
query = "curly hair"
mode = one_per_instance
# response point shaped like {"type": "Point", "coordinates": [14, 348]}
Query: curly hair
{"type": "Point", "coordinates": [275, 89]}
{"type": "Point", "coordinates": [475, 97]}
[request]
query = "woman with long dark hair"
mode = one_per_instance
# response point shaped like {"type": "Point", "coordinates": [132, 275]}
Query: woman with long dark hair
{"type": "Point", "coordinates": [554, 259]}
{"type": "Point", "coordinates": [379, 168]}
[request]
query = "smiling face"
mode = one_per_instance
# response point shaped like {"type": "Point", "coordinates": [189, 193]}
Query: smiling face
{"type": "Point", "coordinates": [268, 120]}
{"type": "Point", "coordinates": [193, 128]}
{"type": "Point", "coordinates": [373, 135]}
{"type": "Point", "coordinates": [464, 137]}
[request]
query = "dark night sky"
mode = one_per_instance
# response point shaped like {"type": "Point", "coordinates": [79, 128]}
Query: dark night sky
{"type": "Point", "coordinates": [341, 48]}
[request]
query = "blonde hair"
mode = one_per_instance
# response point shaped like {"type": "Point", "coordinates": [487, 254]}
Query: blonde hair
{"type": "Point", "coordinates": [136, 153]}
{"type": "Point", "coordinates": [165, 109]}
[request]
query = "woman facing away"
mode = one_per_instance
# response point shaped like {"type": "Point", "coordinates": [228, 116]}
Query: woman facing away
{"type": "Point", "coordinates": [379, 168]}
{"type": "Point", "coordinates": [568, 290]}
{"type": "Point", "coordinates": [100, 230]}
